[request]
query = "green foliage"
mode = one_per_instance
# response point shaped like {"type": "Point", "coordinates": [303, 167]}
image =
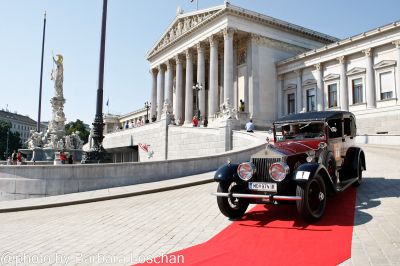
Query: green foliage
{"type": "Point", "coordinates": [14, 140]}
{"type": "Point", "coordinates": [78, 125]}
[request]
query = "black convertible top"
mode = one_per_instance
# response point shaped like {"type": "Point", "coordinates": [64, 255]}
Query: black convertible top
{"type": "Point", "coordinates": [313, 116]}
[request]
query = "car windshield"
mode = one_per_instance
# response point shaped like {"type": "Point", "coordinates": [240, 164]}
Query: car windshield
{"type": "Point", "coordinates": [299, 131]}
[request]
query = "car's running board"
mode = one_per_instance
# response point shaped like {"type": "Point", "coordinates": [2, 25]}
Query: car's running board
{"type": "Point", "coordinates": [256, 196]}
{"type": "Point", "coordinates": [346, 184]}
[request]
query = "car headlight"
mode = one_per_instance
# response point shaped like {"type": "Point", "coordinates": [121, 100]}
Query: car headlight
{"type": "Point", "coordinates": [246, 170]}
{"type": "Point", "coordinates": [278, 171]}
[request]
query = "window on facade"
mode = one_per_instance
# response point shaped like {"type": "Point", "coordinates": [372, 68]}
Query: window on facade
{"type": "Point", "coordinates": [387, 84]}
{"type": "Point", "coordinates": [357, 90]}
{"type": "Point", "coordinates": [310, 100]}
{"type": "Point", "coordinates": [332, 95]}
{"type": "Point", "coordinates": [291, 103]}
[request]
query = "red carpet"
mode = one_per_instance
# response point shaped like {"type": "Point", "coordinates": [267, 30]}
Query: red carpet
{"type": "Point", "coordinates": [275, 235]}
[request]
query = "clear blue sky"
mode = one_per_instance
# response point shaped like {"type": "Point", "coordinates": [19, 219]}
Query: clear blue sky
{"type": "Point", "coordinates": [73, 29]}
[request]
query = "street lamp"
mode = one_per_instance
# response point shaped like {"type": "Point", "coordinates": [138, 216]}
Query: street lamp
{"type": "Point", "coordinates": [196, 88]}
{"type": "Point", "coordinates": [147, 105]}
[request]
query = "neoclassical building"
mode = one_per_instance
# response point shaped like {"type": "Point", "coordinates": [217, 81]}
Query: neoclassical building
{"type": "Point", "coordinates": [211, 59]}
{"type": "Point", "coordinates": [230, 53]}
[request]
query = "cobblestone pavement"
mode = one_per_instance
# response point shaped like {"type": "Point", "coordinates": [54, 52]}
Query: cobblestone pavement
{"type": "Point", "coordinates": [126, 230]}
{"type": "Point", "coordinates": [376, 234]}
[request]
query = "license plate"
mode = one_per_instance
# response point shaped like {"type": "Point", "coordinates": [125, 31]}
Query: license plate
{"type": "Point", "coordinates": [262, 186]}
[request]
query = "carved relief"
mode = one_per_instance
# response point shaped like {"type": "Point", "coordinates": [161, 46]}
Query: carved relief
{"type": "Point", "coordinates": [180, 27]}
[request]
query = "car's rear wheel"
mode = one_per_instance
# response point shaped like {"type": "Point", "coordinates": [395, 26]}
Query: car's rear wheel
{"type": "Point", "coordinates": [311, 207]}
{"type": "Point", "coordinates": [232, 208]}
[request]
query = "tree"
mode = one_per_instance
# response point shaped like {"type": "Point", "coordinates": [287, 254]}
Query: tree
{"type": "Point", "coordinates": [78, 125]}
{"type": "Point", "coordinates": [14, 140]}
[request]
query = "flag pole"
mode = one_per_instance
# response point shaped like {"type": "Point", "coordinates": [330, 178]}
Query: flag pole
{"type": "Point", "coordinates": [41, 75]}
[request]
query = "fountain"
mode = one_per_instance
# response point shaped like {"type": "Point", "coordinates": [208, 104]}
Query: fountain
{"type": "Point", "coordinates": [46, 146]}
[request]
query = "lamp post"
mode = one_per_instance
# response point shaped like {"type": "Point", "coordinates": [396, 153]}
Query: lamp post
{"type": "Point", "coordinates": [196, 88]}
{"type": "Point", "coordinates": [98, 154]}
{"type": "Point", "coordinates": [147, 105]}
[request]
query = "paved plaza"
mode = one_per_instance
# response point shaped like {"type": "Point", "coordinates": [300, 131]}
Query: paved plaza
{"type": "Point", "coordinates": [126, 230]}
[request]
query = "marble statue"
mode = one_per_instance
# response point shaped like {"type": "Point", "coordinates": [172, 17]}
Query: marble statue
{"type": "Point", "coordinates": [58, 76]}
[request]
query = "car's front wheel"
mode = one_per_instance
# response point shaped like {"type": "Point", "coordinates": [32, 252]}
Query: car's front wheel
{"type": "Point", "coordinates": [311, 207]}
{"type": "Point", "coordinates": [232, 208]}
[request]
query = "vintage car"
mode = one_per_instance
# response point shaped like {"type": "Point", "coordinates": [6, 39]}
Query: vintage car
{"type": "Point", "coordinates": [313, 155]}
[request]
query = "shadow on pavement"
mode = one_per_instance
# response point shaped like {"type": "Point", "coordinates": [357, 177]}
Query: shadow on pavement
{"type": "Point", "coordinates": [369, 193]}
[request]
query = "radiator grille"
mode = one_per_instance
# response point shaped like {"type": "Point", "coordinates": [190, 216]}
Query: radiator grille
{"type": "Point", "coordinates": [262, 166]}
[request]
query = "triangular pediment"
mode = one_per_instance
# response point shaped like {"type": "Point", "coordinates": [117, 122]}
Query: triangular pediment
{"type": "Point", "coordinates": [331, 77]}
{"type": "Point", "coordinates": [385, 63]}
{"type": "Point", "coordinates": [356, 70]}
{"type": "Point", "coordinates": [309, 82]}
{"type": "Point", "coordinates": [184, 24]}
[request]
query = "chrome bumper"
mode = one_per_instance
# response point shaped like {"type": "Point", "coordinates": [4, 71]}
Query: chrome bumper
{"type": "Point", "coordinates": [267, 198]}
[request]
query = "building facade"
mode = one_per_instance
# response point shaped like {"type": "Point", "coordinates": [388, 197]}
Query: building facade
{"type": "Point", "coordinates": [19, 123]}
{"type": "Point", "coordinates": [210, 59]}
{"type": "Point", "coordinates": [360, 74]}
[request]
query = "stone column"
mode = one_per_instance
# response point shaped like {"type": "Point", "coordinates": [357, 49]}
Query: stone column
{"type": "Point", "coordinates": [397, 44]}
{"type": "Point", "coordinates": [253, 72]}
{"type": "Point", "coordinates": [189, 89]}
{"type": "Point", "coordinates": [235, 102]}
{"type": "Point", "coordinates": [344, 91]}
{"type": "Point", "coordinates": [160, 90]}
{"type": "Point", "coordinates": [201, 79]}
{"type": "Point", "coordinates": [370, 79]}
{"type": "Point", "coordinates": [153, 109]}
{"type": "Point", "coordinates": [299, 90]}
{"type": "Point", "coordinates": [228, 66]}
{"type": "Point", "coordinates": [170, 83]}
{"type": "Point", "coordinates": [320, 89]}
{"type": "Point", "coordinates": [213, 92]}
{"type": "Point", "coordinates": [280, 95]}
{"type": "Point", "coordinates": [179, 91]}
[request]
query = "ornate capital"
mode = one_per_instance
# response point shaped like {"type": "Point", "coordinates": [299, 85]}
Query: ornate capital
{"type": "Point", "coordinates": [397, 43]}
{"type": "Point", "coordinates": [341, 59]}
{"type": "Point", "coordinates": [178, 59]}
{"type": "Point", "coordinates": [213, 40]}
{"type": "Point", "coordinates": [228, 32]}
{"type": "Point", "coordinates": [188, 54]}
{"type": "Point", "coordinates": [161, 68]}
{"type": "Point", "coordinates": [169, 64]}
{"type": "Point", "coordinates": [153, 71]}
{"type": "Point", "coordinates": [318, 66]}
{"type": "Point", "coordinates": [200, 48]}
{"type": "Point", "coordinates": [368, 52]}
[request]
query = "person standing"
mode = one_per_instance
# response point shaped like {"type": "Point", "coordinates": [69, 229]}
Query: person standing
{"type": "Point", "coordinates": [14, 157]}
{"type": "Point", "coordinates": [19, 158]}
{"type": "Point", "coordinates": [250, 126]}
{"type": "Point", "coordinates": [195, 121]}
{"type": "Point", "coordinates": [241, 107]}
{"type": "Point", "coordinates": [205, 122]}
{"type": "Point", "coordinates": [62, 157]}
